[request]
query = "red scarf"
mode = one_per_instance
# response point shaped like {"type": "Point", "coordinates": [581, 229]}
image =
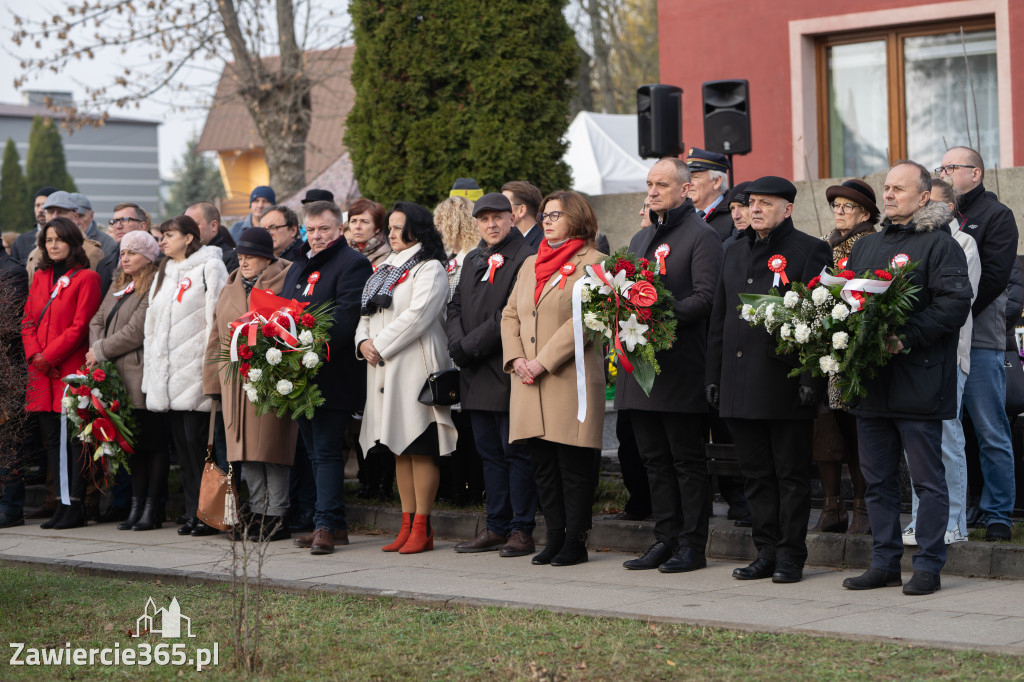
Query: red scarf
{"type": "Point", "coordinates": [550, 259]}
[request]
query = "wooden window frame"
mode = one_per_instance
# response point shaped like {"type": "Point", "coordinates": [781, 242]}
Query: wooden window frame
{"type": "Point", "coordinates": [893, 37]}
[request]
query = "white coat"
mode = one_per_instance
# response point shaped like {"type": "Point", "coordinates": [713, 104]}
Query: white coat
{"type": "Point", "coordinates": [177, 332]}
{"type": "Point", "coordinates": [411, 341]}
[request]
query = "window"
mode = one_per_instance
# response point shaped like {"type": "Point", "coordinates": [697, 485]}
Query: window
{"type": "Point", "coordinates": [906, 93]}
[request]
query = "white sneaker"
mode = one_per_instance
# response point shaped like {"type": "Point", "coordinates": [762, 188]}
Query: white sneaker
{"type": "Point", "coordinates": [955, 535]}
{"type": "Point", "coordinates": [909, 537]}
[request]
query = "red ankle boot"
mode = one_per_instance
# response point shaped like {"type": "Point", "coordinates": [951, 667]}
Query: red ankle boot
{"type": "Point", "coordinates": [403, 534]}
{"type": "Point", "coordinates": [419, 540]}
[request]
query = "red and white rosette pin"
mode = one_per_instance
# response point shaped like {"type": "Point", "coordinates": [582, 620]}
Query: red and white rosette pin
{"type": "Point", "coordinates": [841, 263]}
{"type": "Point", "coordinates": [60, 286]}
{"type": "Point", "coordinates": [777, 264]}
{"type": "Point", "coordinates": [127, 290]}
{"type": "Point", "coordinates": [452, 264]}
{"type": "Point", "coordinates": [661, 253]}
{"type": "Point", "coordinates": [183, 286]}
{"type": "Point", "coordinates": [900, 259]}
{"type": "Point", "coordinates": [563, 275]}
{"type": "Point", "coordinates": [405, 276]}
{"type": "Point", "coordinates": [493, 263]}
{"type": "Point", "coordinates": [311, 281]}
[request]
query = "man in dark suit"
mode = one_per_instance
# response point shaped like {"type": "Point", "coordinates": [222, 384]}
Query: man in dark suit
{"type": "Point", "coordinates": [770, 414]}
{"type": "Point", "coordinates": [474, 343]}
{"type": "Point", "coordinates": [525, 200]}
{"type": "Point", "coordinates": [328, 270]}
{"type": "Point", "coordinates": [669, 423]}
{"type": "Point", "coordinates": [710, 181]}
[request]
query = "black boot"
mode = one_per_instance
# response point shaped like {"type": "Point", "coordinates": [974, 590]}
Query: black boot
{"type": "Point", "coordinates": [574, 551]}
{"type": "Point", "coordinates": [274, 529]}
{"type": "Point", "coordinates": [255, 527]}
{"type": "Point", "coordinates": [133, 514]}
{"type": "Point", "coordinates": [556, 538]}
{"type": "Point", "coordinates": [55, 519]}
{"type": "Point", "coordinates": [114, 514]}
{"type": "Point", "coordinates": [74, 516]}
{"type": "Point", "coordinates": [150, 518]}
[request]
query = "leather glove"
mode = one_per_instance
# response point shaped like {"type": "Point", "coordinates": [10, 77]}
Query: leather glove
{"type": "Point", "coordinates": [808, 398]}
{"type": "Point", "coordinates": [40, 363]}
{"type": "Point", "coordinates": [711, 395]}
{"type": "Point", "coordinates": [459, 356]}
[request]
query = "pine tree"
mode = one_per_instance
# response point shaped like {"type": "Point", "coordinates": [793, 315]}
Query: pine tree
{"type": "Point", "coordinates": [448, 89]}
{"type": "Point", "coordinates": [196, 178]}
{"type": "Point", "coordinates": [45, 165]}
{"type": "Point", "coordinates": [15, 204]}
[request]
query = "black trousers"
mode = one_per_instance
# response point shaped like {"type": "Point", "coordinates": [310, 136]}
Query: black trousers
{"type": "Point", "coordinates": [190, 431]}
{"type": "Point", "coordinates": [151, 460]}
{"type": "Point", "coordinates": [49, 422]}
{"type": "Point", "coordinates": [775, 458]}
{"type": "Point", "coordinates": [566, 483]}
{"type": "Point", "coordinates": [634, 473]}
{"type": "Point", "coordinates": [672, 447]}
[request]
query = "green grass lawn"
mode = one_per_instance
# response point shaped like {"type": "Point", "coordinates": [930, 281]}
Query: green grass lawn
{"type": "Point", "coordinates": [332, 636]}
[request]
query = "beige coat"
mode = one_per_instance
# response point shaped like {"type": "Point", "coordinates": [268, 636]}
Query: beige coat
{"type": "Point", "coordinates": [547, 408]}
{"type": "Point", "coordinates": [411, 341]}
{"type": "Point", "coordinates": [250, 438]}
{"type": "Point", "coordinates": [121, 340]}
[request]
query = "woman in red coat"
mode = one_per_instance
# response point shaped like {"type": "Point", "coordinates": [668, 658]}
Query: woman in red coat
{"type": "Point", "coordinates": [63, 297]}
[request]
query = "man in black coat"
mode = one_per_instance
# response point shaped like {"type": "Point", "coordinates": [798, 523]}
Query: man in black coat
{"type": "Point", "coordinates": [474, 343]}
{"type": "Point", "coordinates": [213, 233]}
{"type": "Point", "coordinates": [908, 399]}
{"type": "Point", "coordinates": [329, 270]}
{"type": "Point", "coordinates": [710, 174]}
{"type": "Point", "coordinates": [669, 423]}
{"type": "Point", "coordinates": [12, 306]}
{"type": "Point", "coordinates": [771, 415]}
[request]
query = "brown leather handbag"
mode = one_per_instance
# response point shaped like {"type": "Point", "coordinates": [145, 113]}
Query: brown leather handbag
{"type": "Point", "coordinates": [218, 506]}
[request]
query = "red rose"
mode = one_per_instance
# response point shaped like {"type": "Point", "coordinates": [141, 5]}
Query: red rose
{"type": "Point", "coordinates": [115, 406]}
{"type": "Point", "coordinates": [245, 352]}
{"type": "Point", "coordinates": [882, 274]}
{"type": "Point", "coordinates": [647, 274]}
{"type": "Point", "coordinates": [643, 314]}
{"type": "Point", "coordinates": [82, 391]}
{"type": "Point", "coordinates": [814, 282]}
{"type": "Point", "coordinates": [103, 429]}
{"type": "Point", "coordinates": [307, 321]}
{"type": "Point", "coordinates": [644, 263]}
{"type": "Point", "coordinates": [243, 369]}
{"type": "Point", "coordinates": [270, 330]}
{"type": "Point", "coordinates": [99, 375]}
{"type": "Point", "coordinates": [847, 274]}
{"type": "Point", "coordinates": [623, 264]}
{"type": "Point", "coordinates": [643, 294]}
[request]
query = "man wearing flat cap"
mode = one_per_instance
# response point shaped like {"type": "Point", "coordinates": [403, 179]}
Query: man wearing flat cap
{"type": "Point", "coordinates": [709, 173]}
{"type": "Point", "coordinates": [62, 204]}
{"type": "Point", "coordinates": [474, 343]}
{"type": "Point", "coordinates": [770, 414]}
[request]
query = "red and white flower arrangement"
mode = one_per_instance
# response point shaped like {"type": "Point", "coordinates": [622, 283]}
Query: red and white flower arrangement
{"type": "Point", "coordinates": [99, 409]}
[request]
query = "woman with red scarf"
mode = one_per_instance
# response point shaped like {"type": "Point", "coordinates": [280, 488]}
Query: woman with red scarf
{"type": "Point", "coordinates": [538, 344]}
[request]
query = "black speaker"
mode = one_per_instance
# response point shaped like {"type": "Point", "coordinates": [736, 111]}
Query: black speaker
{"type": "Point", "coordinates": [659, 119]}
{"type": "Point", "coordinates": [726, 116]}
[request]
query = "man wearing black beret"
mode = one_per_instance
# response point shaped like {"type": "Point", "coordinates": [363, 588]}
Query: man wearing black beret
{"type": "Point", "coordinates": [770, 414]}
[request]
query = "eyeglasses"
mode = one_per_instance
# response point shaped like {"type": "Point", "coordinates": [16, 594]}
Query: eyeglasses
{"type": "Point", "coordinates": [272, 228]}
{"type": "Point", "coordinates": [950, 167]}
{"type": "Point", "coordinates": [124, 221]}
{"type": "Point", "coordinates": [553, 216]}
{"type": "Point", "coordinates": [842, 208]}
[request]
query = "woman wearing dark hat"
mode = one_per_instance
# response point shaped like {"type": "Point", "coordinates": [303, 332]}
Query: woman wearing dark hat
{"type": "Point", "coordinates": [265, 445]}
{"type": "Point", "coordinates": [835, 432]}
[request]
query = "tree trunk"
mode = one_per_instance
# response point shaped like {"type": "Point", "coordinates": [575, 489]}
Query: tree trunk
{"type": "Point", "coordinates": [601, 58]}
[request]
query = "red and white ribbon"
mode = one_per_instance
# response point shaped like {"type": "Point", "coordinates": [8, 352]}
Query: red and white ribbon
{"type": "Point", "coordinates": [854, 289]}
{"type": "Point", "coordinates": [183, 286]}
{"type": "Point", "coordinates": [563, 275]}
{"type": "Point", "coordinates": [452, 264]}
{"type": "Point", "coordinates": [61, 285]}
{"type": "Point", "coordinates": [777, 264]}
{"type": "Point", "coordinates": [127, 290]}
{"type": "Point", "coordinates": [311, 281]}
{"type": "Point", "coordinates": [660, 254]}
{"type": "Point", "coordinates": [493, 263]}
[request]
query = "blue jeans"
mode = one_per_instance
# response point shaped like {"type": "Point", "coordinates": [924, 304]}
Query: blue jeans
{"type": "Point", "coordinates": [881, 442]}
{"type": "Point", "coordinates": [324, 438]}
{"type": "Point", "coordinates": [508, 475]}
{"type": "Point", "coordinates": [985, 402]}
{"type": "Point", "coordinates": [954, 459]}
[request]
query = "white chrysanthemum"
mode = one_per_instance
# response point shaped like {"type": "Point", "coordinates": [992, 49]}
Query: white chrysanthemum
{"type": "Point", "coordinates": [310, 359]}
{"type": "Point", "coordinates": [791, 299]}
{"type": "Point", "coordinates": [585, 294]}
{"type": "Point", "coordinates": [747, 312]}
{"type": "Point", "coordinates": [840, 312]}
{"type": "Point", "coordinates": [821, 295]}
{"type": "Point", "coordinates": [786, 331]}
{"type": "Point", "coordinates": [631, 333]}
{"type": "Point", "coordinates": [828, 364]}
{"type": "Point", "coordinates": [802, 333]}
{"type": "Point", "coordinates": [255, 374]}
{"type": "Point", "coordinates": [273, 356]}
{"type": "Point", "coordinates": [592, 322]}
{"type": "Point", "coordinates": [252, 395]}
{"type": "Point", "coordinates": [305, 337]}
{"type": "Point", "coordinates": [840, 340]}
{"type": "Point", "coordinates": [68, 402]}
{"type": "Point", "coordinates": [284, 387]}
{"type": "Point", "coordinates": [769, 313]}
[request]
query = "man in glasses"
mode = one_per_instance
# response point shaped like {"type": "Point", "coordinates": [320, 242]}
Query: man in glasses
{"type": "Point", "coordinates": [995, 231]}
{"type": "Point", "coordinates": [128, 217]}
{"type": "Point", "coordinates": [283, 225]}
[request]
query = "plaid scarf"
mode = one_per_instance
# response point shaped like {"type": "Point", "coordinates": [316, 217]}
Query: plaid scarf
{"type": "Point", "coordinates": [380, 287]}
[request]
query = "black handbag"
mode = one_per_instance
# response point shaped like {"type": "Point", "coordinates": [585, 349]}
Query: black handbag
{"type": "Point", "coordinates": [441, 388]}
{"type": "Point", "coordinates": [1014, 382]}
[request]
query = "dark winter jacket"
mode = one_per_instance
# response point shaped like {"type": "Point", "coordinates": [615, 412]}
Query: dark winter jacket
{"type": "Point", "coordinates": [1014, 303]}
{"type": "Point", "coordinates": [994, 229]}
{"type": "Point", "coordinates": [24, 244]}
{"type": "Point", "coordinates": [720, 221]}
{"type": "Point", "coordinates": [13, 274]}
{"type": "Point", "coordinates": [920, 384]}
{"type": "Point", "coordinates": [223, 241]}
{"type": "Point", "coordinates": [474, 325]}
{"type": "Point", "coordinates": [692, 269]}
{"type": "Point", "coordinates": [343, 273]}
{"type": "Point", "coordinates": [742, 359]}
{"type": "Point", "coordinates": [292, 252]}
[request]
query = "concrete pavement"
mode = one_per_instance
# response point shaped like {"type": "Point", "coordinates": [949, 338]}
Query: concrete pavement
{"type": "Point", "coordinates": [966, 613]}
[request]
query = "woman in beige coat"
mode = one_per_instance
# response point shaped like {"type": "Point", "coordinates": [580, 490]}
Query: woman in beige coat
{"type": "Point", "coordinates": [401, 335]}
{"type": "Point", "coordinates": [538, 345]}
{"type": "Point", "coordinates": [116, 334]}
{"type": "Point", "coordinates": [264, 445]}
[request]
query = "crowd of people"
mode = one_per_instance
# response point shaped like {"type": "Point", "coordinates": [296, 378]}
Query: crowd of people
{"type": "Point", "coordinates": [471, 285]}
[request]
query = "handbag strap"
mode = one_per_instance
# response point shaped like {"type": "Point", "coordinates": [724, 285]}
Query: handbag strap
{"type": "Point", "coordinates": [214, 408]}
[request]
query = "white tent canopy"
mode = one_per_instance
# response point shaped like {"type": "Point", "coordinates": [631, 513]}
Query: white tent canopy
{"type": "Point", "coordinates": [602, 154]}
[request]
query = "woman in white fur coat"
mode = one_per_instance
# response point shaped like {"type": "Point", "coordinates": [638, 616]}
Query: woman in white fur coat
{"type": "Point", "coordinates": [181, 306]}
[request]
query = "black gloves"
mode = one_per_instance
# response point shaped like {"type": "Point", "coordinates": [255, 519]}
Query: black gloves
{"type": "Point", "coordinates": [808, 398]}
{"type": "Point", "coordinates": [711, 395]}
{"type": "Point", "coordinates": [459, 356]}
